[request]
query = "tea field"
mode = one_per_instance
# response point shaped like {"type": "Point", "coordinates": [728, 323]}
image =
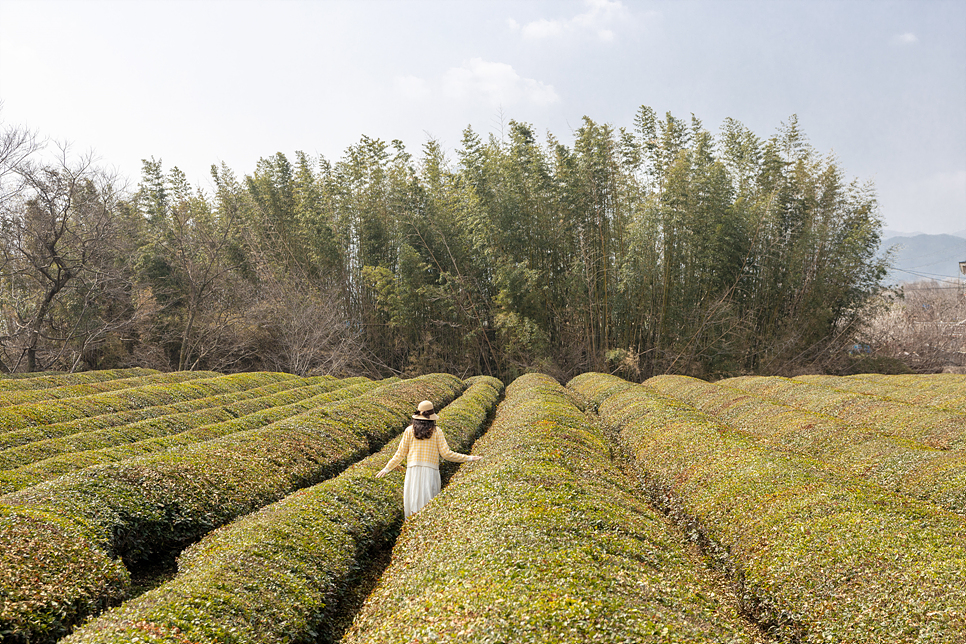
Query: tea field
{"type": "Point", "coordinates": [194, 507]}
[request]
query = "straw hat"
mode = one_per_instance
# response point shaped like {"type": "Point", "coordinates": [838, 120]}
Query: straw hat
{"type": "Point", "coordinates": [425, 409]}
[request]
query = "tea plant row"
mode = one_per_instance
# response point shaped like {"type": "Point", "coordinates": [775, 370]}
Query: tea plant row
{"type": "Point", "coordinates": [882, 454]}
{"type": "Point", "coordinates": [283, 573]}
{"type": "Point", "coordinates": [815, 556]}
{"type": "Point", "coordinates": [946, 391]}
{"type": "Point", "coordinates": [544, 540]}
{"type": "Point", "coordinates": [10, 382]}
{"type": "Point", "coordinates": [80, 451]}
{"type": "Point", "coordinates": [65, 544]}
{"type": "Point", "coordinates": [21, 424]}
{"type": "Point", "coordinates": [932, 426]}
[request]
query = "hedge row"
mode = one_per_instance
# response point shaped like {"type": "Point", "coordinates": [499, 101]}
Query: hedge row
{"type": "Point", "coordinates": [13, 439]}
{"type": "Point", "coordinates": [946, 391]}
{"type": "Point", "coordinates": [816, 558]}
{"type": "Point", "coordinates": [26, 375]}
{"type": "Point", "coordinates": [159, 426]}
{"type": "Point", "coordinates": [895, 464]}
{"type": "Point", "coordinates": [935, 427]}
{"type": "Point", "coordinates": [148, 507]}
{"type": "Point", "coordinates": [34, 473]}
{"type": "Point", "coordinates": [23, 397]}
{"type": "Point", "coordinates": [49, 379]}
{"type": "Point", "coordinates": [281, 574]}
{"type": "Point", "coordinates": [544, 540]}
{"type": "Point", "coordinates": [45, 412]}
{"type": "Point", "coordinates": [21, 424]}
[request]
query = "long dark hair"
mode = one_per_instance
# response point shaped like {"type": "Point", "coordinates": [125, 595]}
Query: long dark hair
{"type": "Point", "coordinates": [423, 428]}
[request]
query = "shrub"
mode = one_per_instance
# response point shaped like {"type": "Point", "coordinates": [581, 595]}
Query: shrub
{"type": "Point", "coordinates": [50, 379]}
{"type": "Point", "coordinates": [43, 546]}
{"type": "Point", "coordinates": [895, 463]}
{"type": "Point", "coordinates": [34, 473]}
{"type": "Point", "coordinates": [544, 540]}
{"type": "Point", "coordinates": [145, 508]}
{"type": "Point", "coordinates": [15, 417]}
{"type": "Point", "coordinates": [946, 391]}
{"type": "Point", "coordinates": [105, 417]}
{"type": "Point", "coordinates": [281, 574]}
{"type": "Point", "coordinates": [23, 397]}
{"type": "Point", "coordinates": [595, 390]}
{"type": "Point", "coordinates": [167, 424]}
{"type": "Point", "coordinates": [814, 558]}
{"type": "Point", "coordinates": [931, 426]}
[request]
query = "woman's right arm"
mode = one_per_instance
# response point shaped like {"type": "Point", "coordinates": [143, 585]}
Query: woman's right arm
{"type": "Point", "coordinates": [400, 453]}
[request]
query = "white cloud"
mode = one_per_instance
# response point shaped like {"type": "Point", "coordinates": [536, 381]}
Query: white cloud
{"type": "Point", "coordinates": [496, 84]}
{"type": "Point", "coordinates": [543, 29]}
{"type": "Point", "coordinates": [907, 38]}
{"type": "Point", "coordinates": [597, 20]}
{"type": "Point", "coordinates": [478, 81]}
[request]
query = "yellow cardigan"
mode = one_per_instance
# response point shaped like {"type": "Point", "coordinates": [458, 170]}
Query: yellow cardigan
{"type": "Point", "coordinates": [423, 451]}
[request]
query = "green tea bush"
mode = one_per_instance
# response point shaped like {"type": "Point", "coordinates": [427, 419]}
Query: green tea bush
{"type": "Point", "coordinates": [165, 425]}
{"type": "Point", "coordinates": [595, 390]}
{"type": "Point", "coordinates": [814, 558]}
{"type": "Point", "coordinates": [894, 463]}
{"type": "Point", "coordinates": [938, 428]}
{"type": "Point", "coordinates": [51, 379]}
{"type": "Point", "coordinates": [19, 397]}
{"type": "Point", "coordinates": [47, 570]}
{"type": "Point", "coordinates": [26, 375]}
{"type": "Point", "coordinates": [945, 391]}
{"type": "Point", "coordinates": [37, 472]}
{"type": "Point", "coordinates": [102, 419]}
{"type": "Point", "coordinates": [148, 507]}
{"type": "Point", "coordinates": [544, 540]}
{"type": "Point", "coordinates": [47, 412]}
{"type": "Point", "coordinates": [280, 574]}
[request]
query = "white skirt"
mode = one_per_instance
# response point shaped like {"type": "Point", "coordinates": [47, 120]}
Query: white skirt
{"type": "Point", "coordinates": [422, 484]}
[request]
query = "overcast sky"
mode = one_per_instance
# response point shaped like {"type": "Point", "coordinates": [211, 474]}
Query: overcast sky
{"type": "Point", "coordinates": [881, 84]}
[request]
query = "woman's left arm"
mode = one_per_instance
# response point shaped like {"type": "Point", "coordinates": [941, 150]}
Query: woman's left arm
{"type": "Point", "coordinates": [449, 454]}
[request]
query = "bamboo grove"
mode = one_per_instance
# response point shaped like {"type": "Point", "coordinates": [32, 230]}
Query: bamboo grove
{"type": "Point", "coordinates": [656, 248]}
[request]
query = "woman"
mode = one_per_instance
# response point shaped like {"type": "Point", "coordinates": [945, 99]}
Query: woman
{"type": "Point", "coordinates": [422, 446]}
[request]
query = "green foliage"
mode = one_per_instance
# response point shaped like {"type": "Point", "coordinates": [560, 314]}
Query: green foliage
{"type": "Point", "coordinates": [145, 508]}
{"type": "Point", "coordinates": [26, 422]}
{"type": "Point", "coordinates": [159, 426]}
{"type": "Point", "coordinates": [708, 254]}
{"type": "Point", "coordinates": [815, 557]}
{"type": "Point", "coordinates": [936, 428]}
{"type": "Point", "coordinates": [278, 575]}
{"type": "Point", "coordinates": [899, 448]}
{"type": "Point", "coordinates": [50, 379]}
{"type": "Point", "coordinates": [48, 412]}
{"type": "Point", "coordinates": [103, 416]}
{"type": "Point", "coordinates": [168, 431]}
{"type": "Point", "coordinates": [47, 568]}
{"type": "Point", "coordinates": [946, 391]}
{"type": "Point", "coordinates": [543, 540]}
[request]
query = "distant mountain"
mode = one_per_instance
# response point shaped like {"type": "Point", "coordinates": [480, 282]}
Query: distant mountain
{"type": "Point", "coordinates": [923, 257]}
{"type": "Point", "coordinates": [887, 233]}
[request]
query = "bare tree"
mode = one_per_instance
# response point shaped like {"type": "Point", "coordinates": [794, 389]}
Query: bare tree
{"type": "Point", "coordinates": [923, 325]}
{"type": "Point", "coordinates": [61, 237]}
{"type": "Point", "coordinates": [304, 327]}
{"type": "Point", "coordinates": [17, 145]}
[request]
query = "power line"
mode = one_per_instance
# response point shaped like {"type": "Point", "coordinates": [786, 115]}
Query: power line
{"type": "Point", "coordinates": [930, 275]}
